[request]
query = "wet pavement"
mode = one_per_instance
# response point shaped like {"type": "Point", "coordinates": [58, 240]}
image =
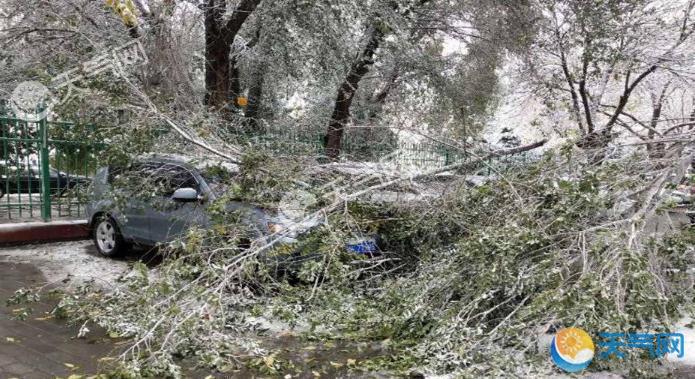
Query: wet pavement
{"type": "Point", "coordinates": [40, 346]}
{"type": "Point", "coordinates": [43, 347]}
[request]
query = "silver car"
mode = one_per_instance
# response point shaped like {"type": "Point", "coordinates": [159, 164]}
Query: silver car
{"type": "Point", "coordinates": [157, 200]}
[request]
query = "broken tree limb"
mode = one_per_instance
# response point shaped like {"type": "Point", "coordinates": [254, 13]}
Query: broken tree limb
{"type": "Point", "coordinates": [263, 244]}
{"type": "Point", "coordinates": [452, 167]}
{"type": "Point", "coordinates": [179, 130]}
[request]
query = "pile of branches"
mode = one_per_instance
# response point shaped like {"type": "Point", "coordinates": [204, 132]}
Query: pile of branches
{"type": "Point", "coordinates": [464, 283]}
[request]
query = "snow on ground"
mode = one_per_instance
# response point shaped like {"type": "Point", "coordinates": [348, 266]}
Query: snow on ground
{"type": "Point", "coordinates": [78, 262]}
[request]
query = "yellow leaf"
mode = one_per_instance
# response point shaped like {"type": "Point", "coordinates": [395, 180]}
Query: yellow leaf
{"type": "Point", "coordinates": [209, 377]}
{"type": "Point", "coordinates": [69, 365]}
{"type": "Point", "coordinates": [43, 318]}
{"type": "Point", "coordinates": [351, 362]}
{"type": "Point", "coordinates": [336, 364]}
{"type": "Point", "coordinates": [10, 339]}
{"type": "Point", "coordinates": [75, 376]}
{"type": "Point", "coordinates": [316, 374]}
{"type": "Point", "coordinates": [269, 360]}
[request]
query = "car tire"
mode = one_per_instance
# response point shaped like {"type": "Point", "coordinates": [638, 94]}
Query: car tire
{"type": "Point", "coordinates": [107, 237]}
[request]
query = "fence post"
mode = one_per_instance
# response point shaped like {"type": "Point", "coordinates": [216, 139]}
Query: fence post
{"type": "Point", "coordinates": [45, 171]}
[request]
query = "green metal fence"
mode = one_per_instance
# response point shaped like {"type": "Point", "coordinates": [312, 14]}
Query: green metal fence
{"type": "Point", "coordinates": [45, 167]}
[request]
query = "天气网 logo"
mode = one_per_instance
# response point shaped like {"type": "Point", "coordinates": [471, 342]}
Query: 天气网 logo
{"type": "Point", "coordinates": [572, 349]}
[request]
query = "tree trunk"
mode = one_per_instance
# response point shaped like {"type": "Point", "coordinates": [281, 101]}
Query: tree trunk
{"type": "Point", "coordinates": [599, 140]}
{"type": "Point", "coordinates": [656, 150]}
{"type": "Point", "coordinates": [346, 93]}
{"type": "Point", "coordinates": [217, 61]}
{"type": "Point", "coordinates": [255, 94]}
{"type": "Point", "coordinates": [234, 81]}
{"type": "Point", "coordinates": [222, 84]}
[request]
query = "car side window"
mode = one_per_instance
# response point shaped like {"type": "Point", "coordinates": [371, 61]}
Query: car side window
{"type": "Point", "coordinates": [113, 173]}
{"type": "Point", "coordinates": [146, 180]}
{"type": "Point", "coordinates": [136, 180]}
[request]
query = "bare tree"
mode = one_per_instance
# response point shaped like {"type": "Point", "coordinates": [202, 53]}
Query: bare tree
{"type": "Point", "coordinates": [601, 54]}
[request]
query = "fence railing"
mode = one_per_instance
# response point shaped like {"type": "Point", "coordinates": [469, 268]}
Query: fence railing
{"type": "Point", "coordinates": [45, 167]}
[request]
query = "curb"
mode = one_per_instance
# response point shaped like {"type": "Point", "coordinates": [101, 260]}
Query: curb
{"type": "Point", "coordinates": [33, 232]}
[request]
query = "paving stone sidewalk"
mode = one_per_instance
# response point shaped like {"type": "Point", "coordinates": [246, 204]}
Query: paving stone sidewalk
{"type": "Point", "coordinates": [39, 346]}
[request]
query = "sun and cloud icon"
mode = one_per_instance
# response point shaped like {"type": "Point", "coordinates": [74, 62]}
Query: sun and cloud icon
{"type": "Point", "coordinates": [572, 349]}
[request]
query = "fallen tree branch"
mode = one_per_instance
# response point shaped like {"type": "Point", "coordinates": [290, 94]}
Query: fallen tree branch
{"type": "Point", "coordinates": [452, 167]}
{"type": "Point", "coordinates": [184, 134]}
{"type": "Point", "coordinates": [273, 239]}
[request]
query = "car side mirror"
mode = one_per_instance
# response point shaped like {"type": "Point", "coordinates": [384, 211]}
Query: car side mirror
{"type": "Point", "coordinates": [185, 194]}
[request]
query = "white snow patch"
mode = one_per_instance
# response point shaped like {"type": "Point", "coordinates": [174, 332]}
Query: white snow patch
{"type": "Point", "coordinates": [73, 262]}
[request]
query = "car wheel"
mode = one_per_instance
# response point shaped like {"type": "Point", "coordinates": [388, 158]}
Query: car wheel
{"type": "Point", "coordinates": [107, 238]}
